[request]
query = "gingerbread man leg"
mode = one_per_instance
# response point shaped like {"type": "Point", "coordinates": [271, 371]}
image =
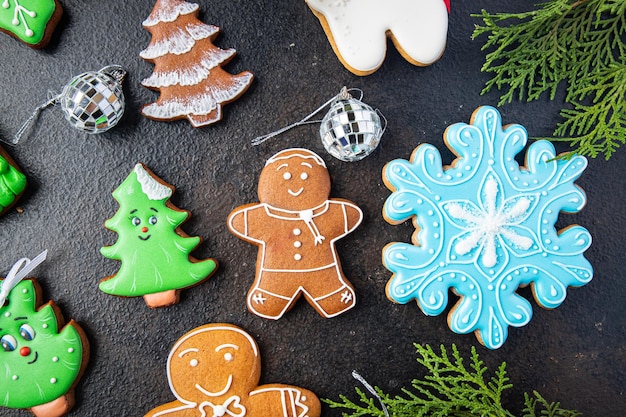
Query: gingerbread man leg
{"type": "Point", "coordinates": [336, 303]}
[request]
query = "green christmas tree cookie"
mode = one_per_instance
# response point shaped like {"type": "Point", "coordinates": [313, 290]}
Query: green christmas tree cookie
{"type": "Point", "coordinates": [31, 21]}
{"type": "Point", "coordinates": [12, 182]}
{"type": "Point", "coordinates": [41, 365]}
{"type": "Point", "coordinates": [153, 250]}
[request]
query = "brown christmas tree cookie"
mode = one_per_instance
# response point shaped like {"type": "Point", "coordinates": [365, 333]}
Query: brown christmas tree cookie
{"type": "Point", "coordinates": [188, 70]}
{"type": "Point", "coordinates": [296, 225]}
{"type": "Point", "coordinates": [214, 370]}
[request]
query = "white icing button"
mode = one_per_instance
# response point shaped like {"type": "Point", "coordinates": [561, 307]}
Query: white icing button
{"type": "Point", "coordinates": [7, 314]}
{"type": "Point", "coordinates": [53, 380]}
{"type": "Point", "coordinates": [297, 232]}
{"type": "Point", "coordinates": [45, 326]}
{"type": "Point", "coordinates": [228, 357]}
{"type": "Point", "coordinates": [297, 257]}
{"type": "Point", "coordinates": [297, 244]}
{"type": "Point", "coordinates": [193, 362]}
{"type": "Point", "coordinates": [15, 377]}
{"type": "Point", "coordinates": [71, 350]}
{"type": "Point", "coordinates": [55, 359]}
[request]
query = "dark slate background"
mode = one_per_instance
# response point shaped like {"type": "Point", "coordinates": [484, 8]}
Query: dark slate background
{"type": "Point", "coordinates": [575, 354]}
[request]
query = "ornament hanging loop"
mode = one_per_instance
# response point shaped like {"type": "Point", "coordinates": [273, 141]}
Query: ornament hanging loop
{"type": "Point", "coordinates": [343, 94]}
{"type": "Point", "coordinates": [19, 271]}
{"type": "Point", "coordinates": [92, 102]}
{"type": "Point", "coordinates": [349, 131]}
{"type": "Point", "coordinates": [51, 102]}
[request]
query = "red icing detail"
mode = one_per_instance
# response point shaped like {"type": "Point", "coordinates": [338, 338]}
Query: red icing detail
{"type": "Point", "coordinates": [25, 351]}
{"type": "Point", "coordinates": [447, 2]}
{"type": "Point", "coordinates": [144, 229]}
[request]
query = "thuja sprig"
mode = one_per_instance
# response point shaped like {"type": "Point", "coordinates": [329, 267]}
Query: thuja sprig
{"type": "Point", "coordinates": [580, 43]}
{"type": "Point", "coordinates": [449, 389]}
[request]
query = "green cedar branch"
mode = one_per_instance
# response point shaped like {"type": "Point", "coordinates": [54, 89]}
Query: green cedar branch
{"type": "Point", "coordinates": [581, 44]}
{"type": "Point", "coordinates": [450, 389]}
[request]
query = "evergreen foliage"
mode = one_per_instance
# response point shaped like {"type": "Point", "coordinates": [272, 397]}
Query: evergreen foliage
{"type": "Point", "coordinates": [450, 389]}
{"type": "Point", "coordinates": [580, 43]}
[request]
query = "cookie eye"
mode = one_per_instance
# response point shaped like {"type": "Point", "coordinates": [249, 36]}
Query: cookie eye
{"type": "Point", "coordinates": [193, 363]}
{"type": "Point", "coordinates": [153, 220]}
{"type": "Point", "coordinates": [228, 357]}
{"type": "Point", "coordinates": [304, 176]}
{"type": "Point", "coordinates": [8, 343]}
{"type": "Point", "coordinates": [136, 221]}
{"type": "Point", "coordinates": [287, 175]}
{"type": "Point", "coordinates": [27, 332]}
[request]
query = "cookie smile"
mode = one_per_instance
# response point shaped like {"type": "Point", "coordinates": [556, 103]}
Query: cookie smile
{"type": "Point", "coordinates": [34, 360]}
{"type": "Point", "coordinates": [144, 238]}
{"type": "Point", "coordinates": [216, 394]}
{"type": "Point", "coordinates": [295, 193]}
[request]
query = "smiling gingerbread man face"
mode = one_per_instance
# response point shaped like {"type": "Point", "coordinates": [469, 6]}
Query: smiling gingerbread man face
{"type": "Point", "coordinates": [294, 180]}
{"type": "Point", "coordinates": [213, 363]}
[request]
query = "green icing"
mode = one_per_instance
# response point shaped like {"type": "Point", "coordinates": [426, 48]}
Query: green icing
{"type": "Point", "coordinates": [26, 382]}
{"type": "Point", "coordinates": [160, 262]}
{"type": "Point", "coordinates": [26, 19]}
{"type": "Point", "coordinates": [12, 183]}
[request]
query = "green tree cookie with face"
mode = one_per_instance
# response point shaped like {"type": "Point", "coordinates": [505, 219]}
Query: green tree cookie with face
{"type": "Point", "coordinates": [40, 365]}
{"type": "Point", "coordinates": [153, 250]}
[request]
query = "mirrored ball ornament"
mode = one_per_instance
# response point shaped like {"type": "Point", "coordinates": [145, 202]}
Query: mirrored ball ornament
{"type": "Point", "coordinates": [94, 101]}
{"type": "Point", "coordinates": [351, 130]}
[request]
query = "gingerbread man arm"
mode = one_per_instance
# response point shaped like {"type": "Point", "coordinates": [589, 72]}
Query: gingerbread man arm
{"type": "Point", "coordinates": [284, 401]}
{"type": "Point", "coordinates": [239, 222]}
{"type": "Point", "coordinates": [353, 216]}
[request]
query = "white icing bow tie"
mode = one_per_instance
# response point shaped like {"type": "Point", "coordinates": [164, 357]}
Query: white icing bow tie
{"type": "Point", "coordinates": [236, 409]}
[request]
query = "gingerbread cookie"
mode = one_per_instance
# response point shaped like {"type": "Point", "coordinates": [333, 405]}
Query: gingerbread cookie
{"type": "Point", "coordinates": [154, 251]}
{"type": "Point", "coordinates": [485, 226]}
{"type": "Point", "coordinates": [214, 370]}
{"type": "Point", "coordinates": [32, 22]}
{"type": "Point", "coordinates": [296, 226]}
{"type": "Point", "coordinates": [12, 182]}
{"type": "Point", "coordinates": [358, 30]}
{"type": "Point", "coordinates": [42, 358]}
{"type": "Point", "coordinates": [188, 66]}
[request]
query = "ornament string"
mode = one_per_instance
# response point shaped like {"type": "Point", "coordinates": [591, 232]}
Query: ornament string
{"type": "Point", "coordinates": [111, 72]}
{"type": "Point", "coordinates": [371, 389]}
{"type": "Point", "coordinates": [343, 94]}
{"type": "Point", "coordinates": [19, 271]}
{"type": "Point", "coordinates": [51, 101]}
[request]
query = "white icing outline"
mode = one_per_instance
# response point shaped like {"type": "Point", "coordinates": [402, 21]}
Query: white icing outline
{"type": "Point", "coordinates": [359, 30]}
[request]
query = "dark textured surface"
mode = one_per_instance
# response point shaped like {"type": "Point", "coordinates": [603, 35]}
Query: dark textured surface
{"type": "Point", "coordinates": [575, 354]}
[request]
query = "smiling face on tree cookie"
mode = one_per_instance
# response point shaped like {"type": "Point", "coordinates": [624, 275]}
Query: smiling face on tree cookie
{"type": "Point", "coordinates": [294, 179]}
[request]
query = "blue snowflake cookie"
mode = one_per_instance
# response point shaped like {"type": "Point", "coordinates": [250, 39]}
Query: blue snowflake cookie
{"type": "Point", "coordinates": [484, 227]}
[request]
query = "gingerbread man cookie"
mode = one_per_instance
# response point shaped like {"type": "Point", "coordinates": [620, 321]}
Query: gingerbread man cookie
{"type": "Point", "coordinates": [485, 226]}
{"type": "Point", "coordinates": [358, 30]}
{"type": "Point", "coordinates": [214, 371]}
{"type": "Point", "coordinates": [296, 226]}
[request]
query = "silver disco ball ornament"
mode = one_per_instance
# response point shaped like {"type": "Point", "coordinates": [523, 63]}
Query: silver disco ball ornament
{"type": "Point", "coordinates": [351, 129]}
{"type": "Point", "coordinates": [94, 101]}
